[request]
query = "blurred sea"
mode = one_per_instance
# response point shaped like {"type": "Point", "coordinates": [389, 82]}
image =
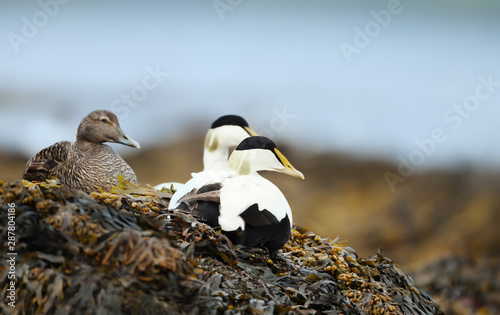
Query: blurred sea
{"type": "Point", "coordinates": [280, 65]}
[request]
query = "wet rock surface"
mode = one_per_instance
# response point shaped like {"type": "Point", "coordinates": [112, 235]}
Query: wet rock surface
{"type": "Point", "coordinates": [124, 253]}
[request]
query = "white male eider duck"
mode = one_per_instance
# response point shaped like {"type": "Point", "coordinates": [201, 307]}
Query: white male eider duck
{"type": "Point", "coordinates": [226, 132]}
{"type": "Point", "coordinates": [248, 208]}
{"type": "Point", "coordinates": [88, 163]}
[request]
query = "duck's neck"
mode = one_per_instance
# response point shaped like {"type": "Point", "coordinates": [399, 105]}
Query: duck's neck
{"type": "Point", "coordinates": [239, 164]}
{"type": "Point", "coordinates": [84, 145]}
{"type": "Point", "coordinates": [215, 160]}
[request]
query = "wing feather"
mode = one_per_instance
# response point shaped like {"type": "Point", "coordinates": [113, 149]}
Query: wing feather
{"type": "Point", "coordinates": [43, 165]}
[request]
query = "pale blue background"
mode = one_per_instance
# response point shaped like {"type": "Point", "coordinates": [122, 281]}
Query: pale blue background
{"type": "Point", "coordinates": [261, 57]}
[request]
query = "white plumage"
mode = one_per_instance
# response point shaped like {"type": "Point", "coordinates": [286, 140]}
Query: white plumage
{"type": "Point", "coordinates": [240, 192]}
{"type": "Point", "coordinates": [226, 132]}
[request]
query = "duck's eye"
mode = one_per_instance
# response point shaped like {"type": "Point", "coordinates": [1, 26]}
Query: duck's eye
{"type": "Point", "coordinates": [104, 120]}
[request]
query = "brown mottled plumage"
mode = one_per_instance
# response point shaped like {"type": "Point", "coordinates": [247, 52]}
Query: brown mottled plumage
{"type": "Point", "coordinates": [87, 163]}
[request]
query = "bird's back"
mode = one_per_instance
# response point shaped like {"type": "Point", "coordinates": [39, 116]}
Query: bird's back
{"type": "Point", "coordinates": [96, 165]}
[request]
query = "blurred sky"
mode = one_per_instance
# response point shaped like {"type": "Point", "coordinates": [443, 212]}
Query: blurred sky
{"type": "Point", "coordinates": [279, 64]}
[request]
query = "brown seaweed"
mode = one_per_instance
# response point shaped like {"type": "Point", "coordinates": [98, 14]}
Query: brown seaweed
{"type": "Point", "coordinates": [125, 253]}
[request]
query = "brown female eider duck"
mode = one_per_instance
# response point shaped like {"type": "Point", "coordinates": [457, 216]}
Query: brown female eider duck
{"type": "Point", "coordinates": [88, 163]}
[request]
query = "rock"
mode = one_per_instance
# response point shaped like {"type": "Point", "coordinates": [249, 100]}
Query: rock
{"type": "Point", "coordinates": [463, 284]}
{"type": "Point", "coordinates": [125, 253]}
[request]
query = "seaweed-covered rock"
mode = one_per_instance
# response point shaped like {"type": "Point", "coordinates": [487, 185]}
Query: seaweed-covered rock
{"type": "Point", "coordinates": [463, 285]}
{"type": "Point", "coordinates": [124, 253]}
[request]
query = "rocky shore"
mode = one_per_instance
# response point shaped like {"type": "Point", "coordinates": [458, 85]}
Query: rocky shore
{"type": "Point", "coordinates": [124, 253]}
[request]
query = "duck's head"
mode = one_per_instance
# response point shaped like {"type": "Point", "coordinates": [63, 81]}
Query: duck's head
{"type": "Point", "coordinates": [102, 126]}
{"type": "Point", "coordinates": [258, 153]}
{"type": "Point", "coordinates": [226, 132]}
